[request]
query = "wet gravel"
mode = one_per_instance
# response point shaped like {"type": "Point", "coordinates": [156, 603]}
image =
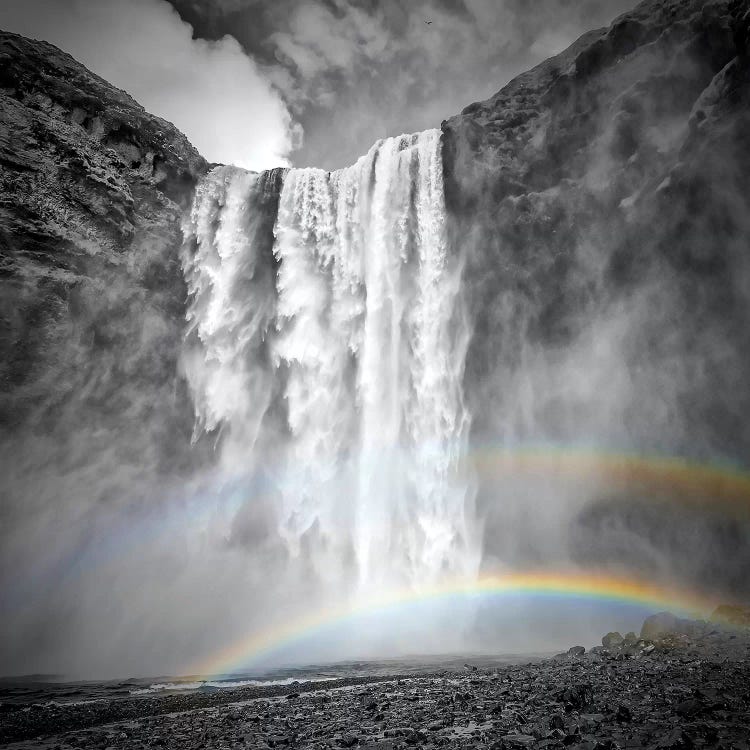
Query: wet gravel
{"type": "Point", "coordinates": [672, 693]}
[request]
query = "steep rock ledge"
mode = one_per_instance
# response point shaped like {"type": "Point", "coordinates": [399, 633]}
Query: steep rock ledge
{"type": "Point", "coordinates": [92, 189]}
{"type": "Point", "coordinates": [602, 201]}
{"type": "Point", "coordinates": [613, 165]}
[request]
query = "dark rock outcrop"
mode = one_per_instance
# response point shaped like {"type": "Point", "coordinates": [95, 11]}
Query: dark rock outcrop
{"type": "Point", "coordinates": [602, 202]}
{"type": "Point", "coordinates": [732, 614]}
{"type": "Point", "coordinates": [604, 192]}
{"type": "Point", "coordinates": [92, 189]}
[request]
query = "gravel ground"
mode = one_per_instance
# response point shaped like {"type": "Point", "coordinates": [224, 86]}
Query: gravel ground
{"type": "Point", "coordinates": [675, 692]}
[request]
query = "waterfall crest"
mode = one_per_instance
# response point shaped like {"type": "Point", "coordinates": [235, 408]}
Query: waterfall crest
{"type": "Point", "coordinates": [342, 343]}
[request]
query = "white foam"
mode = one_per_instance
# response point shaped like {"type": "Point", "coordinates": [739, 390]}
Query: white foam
{"type": "Point", "coordinates": [363, 328]}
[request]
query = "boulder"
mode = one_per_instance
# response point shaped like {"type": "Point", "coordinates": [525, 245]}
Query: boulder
{"type": "Point", "coordinates": [612, 640]}
{"type": "Point", "coordinates": [732, 614]}
{"type": "Point", "coordinates": [658, 625]}
{"type": "Point", "coordinates": [576, 696]}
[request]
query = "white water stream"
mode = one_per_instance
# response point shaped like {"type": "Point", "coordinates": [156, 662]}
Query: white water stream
{"type": "Point", "coordinates": [354, 331]}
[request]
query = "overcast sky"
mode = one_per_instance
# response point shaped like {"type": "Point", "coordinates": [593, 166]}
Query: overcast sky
{"type": "Point", "coordinates": [306, 82]}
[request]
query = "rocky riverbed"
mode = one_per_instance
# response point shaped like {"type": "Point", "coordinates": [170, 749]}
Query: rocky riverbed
{"type": "Point", "coordinates": [688, 686]}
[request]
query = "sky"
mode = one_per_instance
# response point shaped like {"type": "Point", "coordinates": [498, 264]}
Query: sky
{"type": "Point", "coordinates": [263, 83]}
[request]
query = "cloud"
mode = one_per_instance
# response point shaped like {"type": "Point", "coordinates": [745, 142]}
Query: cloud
{"type": "Point", "coordinates": [354, 71]}
{"type": "Point", "coordinates": [211, 90]}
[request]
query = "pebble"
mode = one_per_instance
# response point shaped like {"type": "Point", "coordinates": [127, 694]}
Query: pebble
{"type": "Point", "coordinates": [678, 695]}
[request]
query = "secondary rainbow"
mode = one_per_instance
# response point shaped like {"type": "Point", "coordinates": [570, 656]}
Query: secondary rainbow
{"type": "Point", "coordinates": [600, 587]}
{"type": "Point", "coordinates": [715, 487]}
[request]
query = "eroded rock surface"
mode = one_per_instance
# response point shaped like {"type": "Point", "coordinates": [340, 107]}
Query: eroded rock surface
{"type": "Point", "coordinates": [607, 181]}
{"type": "Point", "coordinates": [92, 299]}
{"type": "Point", "coordinates": [602, 203]}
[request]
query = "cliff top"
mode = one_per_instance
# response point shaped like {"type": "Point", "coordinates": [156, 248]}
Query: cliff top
{"type": "Point", "coordinates": [41, 75]}
{"type": "Point", "coordinates": [596, 50]}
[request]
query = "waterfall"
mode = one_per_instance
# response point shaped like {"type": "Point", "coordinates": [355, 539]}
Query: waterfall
{"type": "Point", "coordinates": [348, 321]}
{"type": "Point", "coordinates": [229, 271]}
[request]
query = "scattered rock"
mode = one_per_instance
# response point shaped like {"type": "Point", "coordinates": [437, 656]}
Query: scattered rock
{"type": "Point", "coordinates": [690, 708]}
{"type": "Point", "coordinates": [577, 696]}
{"type": "Point", "coordinates": [590, 722]}
{"type": "Point", "coordinates": [692, 695]}
{"type": "Point", "coordinates": [556, 722]}
{"type": "Point", "coordinates": [677, 739]}
{"type": "Point", "coordinates": [624, 715]}
{"type": "Point", "coordinates": [517, 741]}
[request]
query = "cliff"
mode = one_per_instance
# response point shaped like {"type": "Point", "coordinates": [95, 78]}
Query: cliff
{"type": "Point", "coordinates": [92, 190]}
{"type": "Point", "coordinates": [601, 201]}
{"type": "Point", "coordinates": [602, 204]}
{"type": "Point", "coordinates": [571, 192]}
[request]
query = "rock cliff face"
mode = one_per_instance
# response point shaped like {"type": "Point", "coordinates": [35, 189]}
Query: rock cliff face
{"type": "Point", "coordinates": [572, 192]}
{"type": "Point", "coordinates": [602, 203]}
{"type": "Point", "coordinates": [602, 200]}
{"type": "Point", "coordinates": [92, 298]}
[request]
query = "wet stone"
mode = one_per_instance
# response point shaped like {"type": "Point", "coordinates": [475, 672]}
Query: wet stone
{"type": "Point", "coordinates": [612, 640]}
{"type": "Point", "coordinates": [518, 741]}
{"type": "Point", "coordinates": [576, 696]}
{"type": "Point", "coordinates": [624, 715]}
{"type": "Point", "coordinates": [685, 694]}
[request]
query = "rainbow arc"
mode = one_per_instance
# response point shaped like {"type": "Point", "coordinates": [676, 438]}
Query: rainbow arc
{"type": "Point", "coordinates": [574, 585]}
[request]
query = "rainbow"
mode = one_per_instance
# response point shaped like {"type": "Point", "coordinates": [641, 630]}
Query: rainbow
{"type": "Point", "coordinates": [716, 487]}
{"type": "Point", "coordinates": [598, 587]}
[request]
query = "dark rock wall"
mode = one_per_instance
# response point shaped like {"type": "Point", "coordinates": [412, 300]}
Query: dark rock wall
{"type": "Point", "coordinates": [92, 298]}
{"type": "Point", "coordinates": [617, 170]}
{"type": "Point", "coordinates": [602, 201]}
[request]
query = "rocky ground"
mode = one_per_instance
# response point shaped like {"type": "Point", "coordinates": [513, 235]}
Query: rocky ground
{"type": "Point", "coordinates": [688, 686]}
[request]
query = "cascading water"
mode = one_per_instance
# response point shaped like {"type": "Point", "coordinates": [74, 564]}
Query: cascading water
{"type": "Point", "coordinates": [352, 329]}
{"type": "Point", "coordinates": [230, 274]}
